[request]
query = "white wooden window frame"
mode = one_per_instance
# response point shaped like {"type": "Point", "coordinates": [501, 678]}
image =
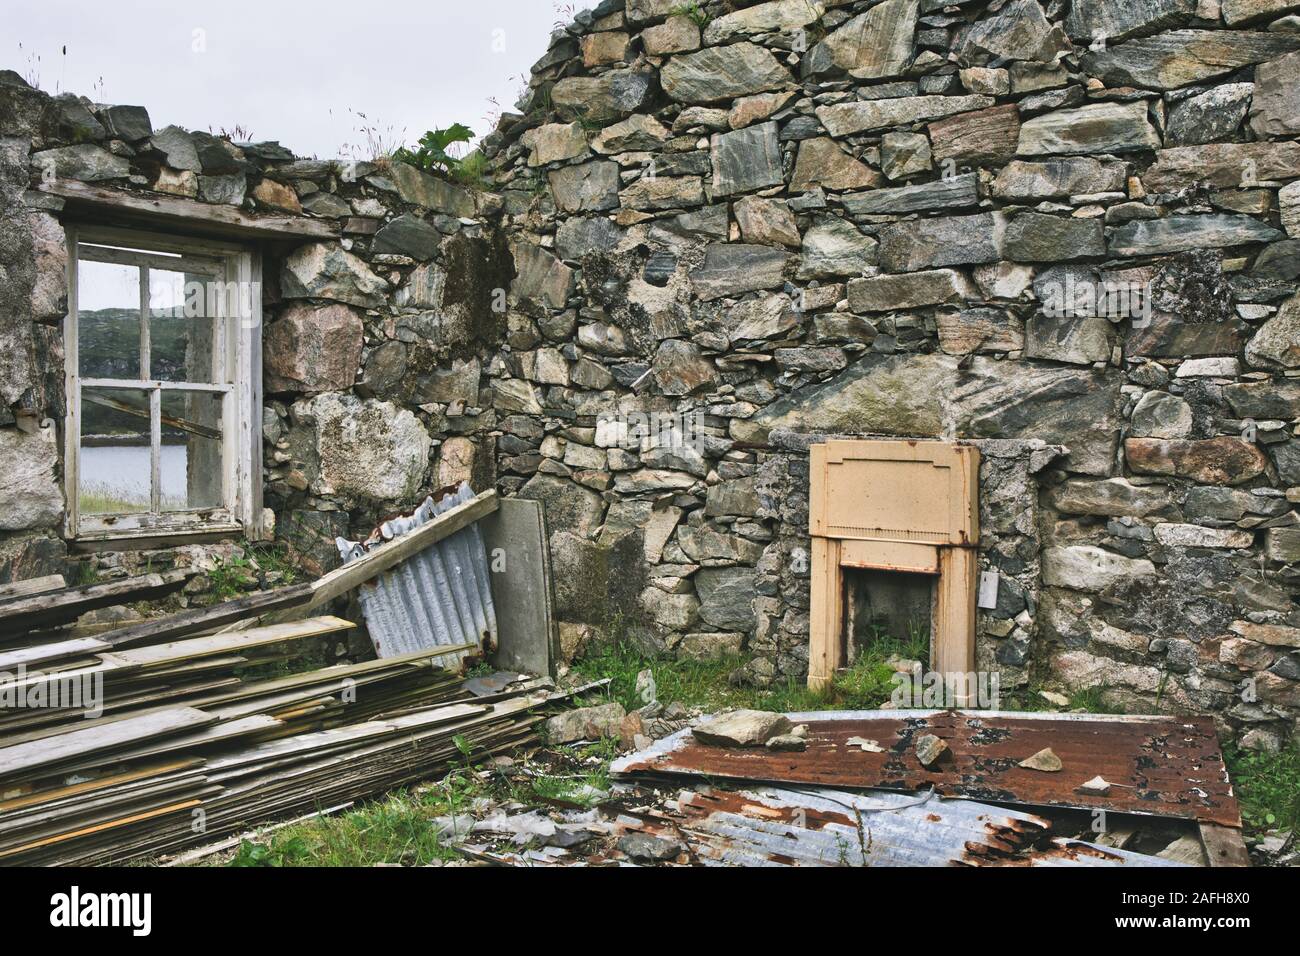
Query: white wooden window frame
{"type": "Point", "coordinates": [239, 381]}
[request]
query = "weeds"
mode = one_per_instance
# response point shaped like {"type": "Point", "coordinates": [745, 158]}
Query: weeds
{"type": "Point", "coordinates": [693, 12]}
{"type": "Point", "coordinates": [1268, 787]}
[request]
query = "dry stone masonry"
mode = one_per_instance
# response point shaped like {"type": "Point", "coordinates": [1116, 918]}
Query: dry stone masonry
{"type": "Point", "coordinates": [1066, 232]}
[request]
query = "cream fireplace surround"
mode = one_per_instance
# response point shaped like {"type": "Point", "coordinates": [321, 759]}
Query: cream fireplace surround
{"type": "Point", "coordinates": [894, 506]}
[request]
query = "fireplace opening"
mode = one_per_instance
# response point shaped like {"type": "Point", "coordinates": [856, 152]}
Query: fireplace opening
{"type": "Point", "coordinates": [888, 611]}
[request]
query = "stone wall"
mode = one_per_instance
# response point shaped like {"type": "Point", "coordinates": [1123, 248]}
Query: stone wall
{"type": "Point", "coordinates": [374, 343]}
{"type": "Point", "coordinates": [1068, 232]}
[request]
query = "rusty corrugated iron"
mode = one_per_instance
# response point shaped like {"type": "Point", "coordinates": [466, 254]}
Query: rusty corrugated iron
{"type": "Point", "coordinates": [769, 826]}
{"type": "Point", "coordinates": [1158, 766]}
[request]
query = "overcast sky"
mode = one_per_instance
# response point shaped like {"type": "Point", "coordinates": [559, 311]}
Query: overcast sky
{"type": "Point", "coordinates": [287, 69]}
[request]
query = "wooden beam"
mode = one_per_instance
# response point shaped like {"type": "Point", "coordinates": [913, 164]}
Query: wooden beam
{"type": "Point", "coordinates": [1224, 846]}
{"type": "Point", "coordinates": [61, 607]}
{"type": "Point", "coordinates": [173, 211]}
{"type": "Point", "coordinates": [387, 556]}
{"type": "Point", "coordinates": [32, 587]}
{"type": "Point", "coordinates": [202, 620]}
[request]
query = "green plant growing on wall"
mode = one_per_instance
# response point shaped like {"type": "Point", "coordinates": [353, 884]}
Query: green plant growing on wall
{"type": "Point", "coordinates": [692, 11]}
{"type": "Point", "coordinates": [431, 155]}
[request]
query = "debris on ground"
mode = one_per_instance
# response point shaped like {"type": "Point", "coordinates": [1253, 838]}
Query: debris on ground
{"type": "Point", "coordinates": [742, 728]}
{"type": "Point", "coordinates": [1044, 760]}
{"type": "Point", "coordinates": [929, 749]}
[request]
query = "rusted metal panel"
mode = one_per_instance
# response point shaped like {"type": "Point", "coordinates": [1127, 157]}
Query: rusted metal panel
{"type": "Point", "coordinates": [769, 826]}
{"type": "Point", "coordinates": [1159, 766]}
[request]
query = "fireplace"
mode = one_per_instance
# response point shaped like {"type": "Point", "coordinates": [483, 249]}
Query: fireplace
{"type": "Point", "coordinates": [889, 518]}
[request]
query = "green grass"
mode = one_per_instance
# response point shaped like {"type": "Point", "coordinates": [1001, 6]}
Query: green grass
{"type": "Point", "coordinates": [705, 685]}
{"type": "Point", "coordinates": [398, 828]}
{"type": "Point", "coordinates": [1267, 786]}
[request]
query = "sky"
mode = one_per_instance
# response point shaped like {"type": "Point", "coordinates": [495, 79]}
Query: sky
{"type": "Point", "coordinates": [313, 75]}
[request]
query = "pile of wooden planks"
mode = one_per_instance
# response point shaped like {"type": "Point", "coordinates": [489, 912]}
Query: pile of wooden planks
{"type": "Point", "coordinates": [168, 734]}
{"type": "Point", "coordinates": [181, 777]}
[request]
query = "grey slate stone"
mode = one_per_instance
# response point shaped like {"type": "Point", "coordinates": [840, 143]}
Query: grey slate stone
{"type": "Point", "coordinates": [1180, 233]}
{"type": "Point", "coordinates": [943, 194]}
{"type": "Point", "coordinates": [408, 235]}
{"type": "Point", "coordinates": [731, 269]}
{"type": "Point", "coordinates": [746, 160]}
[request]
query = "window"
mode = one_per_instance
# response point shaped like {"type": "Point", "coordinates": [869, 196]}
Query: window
{"type": "Point", "coordinates": [164, 386]}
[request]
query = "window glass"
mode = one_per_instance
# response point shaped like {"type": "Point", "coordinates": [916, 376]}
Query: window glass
{"type": "Point", "coordinates": [183, 330]}
{"type": "Point", "coordinates": [116, 464]}
{"type": "Point", "coordinates": [192, 451]}
{"type": "Point", "coordinates": [108, 312]}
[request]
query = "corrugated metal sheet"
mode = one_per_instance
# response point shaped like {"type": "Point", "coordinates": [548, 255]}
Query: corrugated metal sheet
{"type": "Point", "coordinates": [439, 598]}
{"type": "Point", "coordinates": [1158, 766]}
{"type": "Point", "coordinates": [771, 826]}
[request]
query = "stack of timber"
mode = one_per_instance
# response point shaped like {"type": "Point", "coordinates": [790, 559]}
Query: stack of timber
{"type": "Point", "coordinates": [160, 736]}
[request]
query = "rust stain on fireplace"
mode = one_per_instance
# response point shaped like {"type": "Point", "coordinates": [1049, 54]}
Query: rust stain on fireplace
{"type": "Point", "coordinates": [896, 506]}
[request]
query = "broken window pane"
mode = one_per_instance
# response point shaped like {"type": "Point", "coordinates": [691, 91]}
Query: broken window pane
{"type": "Point", "coordinates": [193, 470]}
{"type": "Point", "coordinates": [108, 320]}
{"type": "Point", "coordinates": [183, 338]}
{"type": "Point", "coordinates": [116, 464]}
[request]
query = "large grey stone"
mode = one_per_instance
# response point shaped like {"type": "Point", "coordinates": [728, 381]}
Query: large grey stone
{"type": "Point", "coordinates": [834, 247]}
{"type": "Point", "coordinates": [1176, 58]}
{"type": "Point", "coordinates": [1092, 20]}
{"type": "Point", "coordinates": [1082, 340]}
{"type": "Point", "coordinates": [988, 136]}
{"type": "Point", "coordinates": [555, 143]}
{"type": "Point", "coordinates": [408, 236]}
{"type": "Point", "coordinates": [887, 293]}
{"type": "Point", "coordinates": [879, 395]}
{"type": "Point", "coordinates": [823, 162]}
{"type": "Point", "coordinates": [590, 187]}
{"type": "Point", "coordinates": [731, 269]}
{"type": "Point", "coordinates": [569, 506]}
{"type": "Point", "coordinates": [948, 193]}
{"type": "Point", "coordinates": [610, 96]}
{"type": "Point", "coordinates": [680, 368]}
{"type": "Point", "coordinates": [723, 73]}
{"type": "Point", "coordinates": [1087, 568]}
{"type": "Point", "coordinates": [1213, 115]}
{"type": "Point", "coordinates": [1275, 110]}
{"type": "Point", "coordinates": [746, 159]}
{"type": "Point", "coordinates": [28, 486]}
{"type": "Point", "coordinates": [541, 280]}
{"type": "Point", "coordinates": [1227, 165]}
{"type": "Point", "coordinates": [873, 45]}
{"type": "Point", "coordinates": [1037, 237]}
{"type": "Point", "coordinates": [1053, 178]}
{"type": "Point", "coordinates": [324, 270]}
{"type": "Point", "coordinates": [776, 16]}
{"type": "Point", "coordinates": [742, 728]}
{"type": "Point", "coordinates": [177, 147]}
{"type": "Point", "coordinates": [581, 236]}
{"type": "Point", "coordinates": [1241, 11]}
{"type": "Point", "coordinates": [313, 349]}
{"type": "Point", "coordinates": [364, 449]}
{"type": "Point", "coordinates": [85, 162]}
{"type": "Point", "coordinates": [727, 597]}
{"type": "Point", "coordinates": [942, 241]}
{"type": "Point", "coordinates": [420, 189]}
{"type": "Point", "coordinates": [846, 119]}
{"type": "Point", "coordinates": [1096, 128]}
{"type": "Point", "coordinates": [1019, 31]}
{"type": "Point", "coordinates": [1161, 415]}
{"type": "Point", "coordinates": [1182, 233]}
{"type": "Point", "coordinates": [1113, 497]}
{"type": "Point", "coordinates": [1277, 343]}
{"type": "Point", "coordinates": [1077, 408]}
